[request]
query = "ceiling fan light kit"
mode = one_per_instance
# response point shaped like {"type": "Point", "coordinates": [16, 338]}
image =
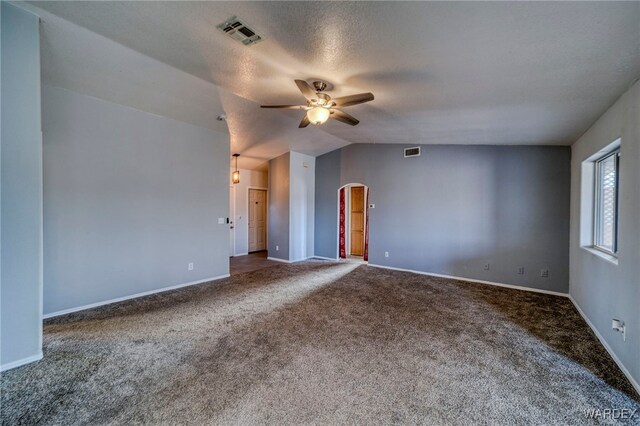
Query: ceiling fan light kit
{"type": "Point", "coordinates": [318, 115]}
{"type": "Point", "coordinates": [320, 106]}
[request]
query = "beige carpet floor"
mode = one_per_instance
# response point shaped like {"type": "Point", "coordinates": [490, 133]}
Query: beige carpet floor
{"type": "Point", "coordinates": [321, 343]}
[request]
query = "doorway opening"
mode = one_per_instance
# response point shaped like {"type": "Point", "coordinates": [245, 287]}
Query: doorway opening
{"type": "Point", "coordinates": [257, 220]}
{"type": "Point", "coordinates": [353, 222]}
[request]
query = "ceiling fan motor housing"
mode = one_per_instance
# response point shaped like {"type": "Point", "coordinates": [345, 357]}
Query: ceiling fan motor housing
{"type": "Point", "coordinates": [320, 85]}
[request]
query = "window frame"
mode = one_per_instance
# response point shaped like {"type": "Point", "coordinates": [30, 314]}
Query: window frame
{"type": "Point", "coordinates": [597, 217]}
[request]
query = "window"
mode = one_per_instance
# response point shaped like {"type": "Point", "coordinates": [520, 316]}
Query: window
{"type": "Point", "coordinates": [605, 233]}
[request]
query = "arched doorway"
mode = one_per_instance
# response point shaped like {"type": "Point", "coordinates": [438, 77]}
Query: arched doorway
{"type": "Point", "coordinates": [353, 222]}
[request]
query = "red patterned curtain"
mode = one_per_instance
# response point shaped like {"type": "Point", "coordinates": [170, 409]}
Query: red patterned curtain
{"type": "Point", "coordinates": [366, 229]}
{"type": "Point", "coordinates": [343, 250]}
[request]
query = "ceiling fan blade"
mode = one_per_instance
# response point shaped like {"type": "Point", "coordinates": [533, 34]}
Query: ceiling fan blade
{"type": "Point", "coordinates": [336, 114]}
{"type": "Point", "coordinates": [284, 106]}
{"type": "Point", "coordinates": [305, 122]}
{"type": "Point", "coordinates": [306, 90]}
{"type": "Point", "coordinates": [344, 101]}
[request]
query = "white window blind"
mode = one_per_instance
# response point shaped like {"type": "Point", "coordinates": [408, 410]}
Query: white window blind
{"type": "Point", "coordinates": [606, 208]}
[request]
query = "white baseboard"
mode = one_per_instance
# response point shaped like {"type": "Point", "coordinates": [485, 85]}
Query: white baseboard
{"type": "Point", "coordinates": [278, 259]}
{"type": "Point", "coordinates": [325, 258]}
{"type": "Point", "coordinates": [515, 287]}
{"type": "Point", "coordinates": [133, 296]}
{"type": "Point", "coordinates": [289, 261]}
{"type": "Point", "coordinates": [604, 343]}
{"type": "Point", "coordinates": [240, 254]}
{"type": "Point", "coordinates": [23, 361]}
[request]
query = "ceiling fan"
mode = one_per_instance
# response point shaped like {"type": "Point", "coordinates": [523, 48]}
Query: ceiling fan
{"type": "Point", "coordinates": [320, 106]}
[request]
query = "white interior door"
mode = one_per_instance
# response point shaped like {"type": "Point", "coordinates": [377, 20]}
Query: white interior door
{"type": "Point", "coordinates": [232, 215]}
{"type": "Point", "coordinates": [257, 220]}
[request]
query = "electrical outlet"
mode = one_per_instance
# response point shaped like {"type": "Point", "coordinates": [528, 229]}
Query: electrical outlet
{"type": "Point", "coordinates": [521, 270]}
{"type": "Point", "coordinates": [487, 266]}
{"type": "Point", "coordinates": [386, 254]}
{"type": "Point", "coordinates": [190, 267]}
{"type": "Point", "coordinates": [620, 327]}
{"type": "Point", "coordinates": [544, 273]}
{"type": "Point", "coordinates": [277, 248]}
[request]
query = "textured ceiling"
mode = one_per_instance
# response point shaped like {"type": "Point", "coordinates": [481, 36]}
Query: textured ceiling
{"type": "Point", "coordinates": [453, 72]}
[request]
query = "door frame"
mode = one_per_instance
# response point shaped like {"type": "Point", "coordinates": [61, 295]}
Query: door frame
{"type": "Point", "coordinates": [232, 219]}
{"type": "Point", "coordinates": [349, 206]}
{"type": "Point", "coordinates": [266, 231]}
{"type": "Point", "coordinates": [348, 217]}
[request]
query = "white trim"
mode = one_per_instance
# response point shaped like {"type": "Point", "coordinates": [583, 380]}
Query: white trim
{"type": "Point", "coordinates": [347, 222]}
{"type": "Point", "coordinates": [347, 207]}
{"type": "Point", "coordinates": [133, 296]}
{"type": "Point", "coordinates": [515, 287]}
{"type": "Point", "coordinates": [278, 259]}
{"type": "Point", "coordinates": [601, 254]}
{"type": "Point", "coordinates": [302, 259]}
{"type": "Point", "coordinates": [335, 259]}
{"type": "Point", "coordinates": [290, 261]}
{"type": "Point", "coordinates": [240, 254]}
{"type": "Point", "coordinates": [232, 217]}
{"type": "Point", "coordinates": [604, 343]}
{"type": "Point", "coordinates": [588, 209]}
{"type": "Point", "coordinates": [41, 238]}
{"type": "Point", "coordinates": [20, 362]}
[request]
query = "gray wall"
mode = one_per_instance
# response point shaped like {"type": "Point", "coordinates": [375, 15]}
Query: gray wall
{"type": "Point", "coordinates": [328, 179]}
{"type": "Point", "coordinates": [130, 198]}
{"type": "Point", "coordinates": [279, 207]}
{"type": "Point", "coordinates": [21, 204]}
{"type": "Point", "coordinates": [602, 289]}
{"type": "Point", "coordinates": [455, 208]}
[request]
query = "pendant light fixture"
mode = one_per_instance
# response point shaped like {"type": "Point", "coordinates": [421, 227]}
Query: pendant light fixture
{"type": "Point", "coordinates": [235, 177]}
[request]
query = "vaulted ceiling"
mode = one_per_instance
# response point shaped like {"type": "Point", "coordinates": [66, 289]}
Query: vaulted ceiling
{"type": "Point", "coordinates": [442, 73]}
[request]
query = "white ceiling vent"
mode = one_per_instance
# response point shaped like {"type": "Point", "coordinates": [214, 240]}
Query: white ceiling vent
{"type": "Point", "coordinates": [235, 28]}
{"type": "Point", "coordinates": [412, 152]}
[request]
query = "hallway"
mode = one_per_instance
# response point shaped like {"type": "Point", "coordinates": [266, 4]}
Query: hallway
{"type": "Point", "coordinates": [250, 262]}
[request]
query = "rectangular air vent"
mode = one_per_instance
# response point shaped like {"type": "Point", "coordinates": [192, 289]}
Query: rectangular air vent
{"type": "Point", "coordinates": [412, 152]}
{"type": "Point", "coordinates": [235, 28]}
